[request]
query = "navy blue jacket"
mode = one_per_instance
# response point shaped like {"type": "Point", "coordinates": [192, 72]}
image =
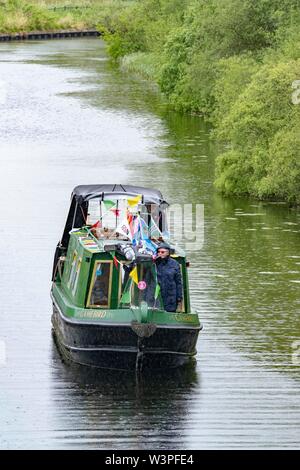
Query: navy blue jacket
{"type": "Point", "coordinates": [169, 279]}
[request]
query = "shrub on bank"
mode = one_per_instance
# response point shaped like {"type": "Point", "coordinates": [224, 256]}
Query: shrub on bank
{"type": "Point", "coordinates": [263, 130]}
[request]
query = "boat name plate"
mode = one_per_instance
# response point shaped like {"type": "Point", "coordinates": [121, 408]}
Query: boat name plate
{"type": "Point", "coordinates": [93, 314]}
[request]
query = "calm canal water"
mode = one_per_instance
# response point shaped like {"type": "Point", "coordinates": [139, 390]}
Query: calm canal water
{"type": "Point", "coordinates": [68, 117]}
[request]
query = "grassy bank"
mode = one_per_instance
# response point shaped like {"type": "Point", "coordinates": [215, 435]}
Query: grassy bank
{"type": "Point", "coordinates": [42, 15]}
{"type": "Point", "coordinates": [235, 62]}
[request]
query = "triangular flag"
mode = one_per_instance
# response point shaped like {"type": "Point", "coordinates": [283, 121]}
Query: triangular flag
{"type": "Point", "coordinates": [144, 229]}
{"type": "Point", "coordinates": [130, 221]}
{"type": "Point", "coordinates": [116, 212]}
{"type": "Point", "coordinates": [108, 204]}
{"type": "Point", "coordinates": [124, 229]}
{"type": "Point", "coordinates": [97, 224]}
{"type": "Point", "coordinates": [133, 201]}
{"type": "Point", "coordinates": [115, 260]}
{"type": "Point", "coordinates": [154, 230]}
{"type": "Point", "coordinates": [125, 299]}
{"type": "Point", "coordinates": [157, 291]}
{"type": "Point", "coordinates": [136, 229]}
{"type": "Point", "coordinates": [134, 275]}
{"type": "Point", "coordinates": [129, 218]}
{"type": "Point", "coordinates": [150, 245]}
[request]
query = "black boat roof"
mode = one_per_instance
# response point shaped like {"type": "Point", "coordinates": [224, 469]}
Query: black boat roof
{"type": "Point", "coordinates": [86, 192]}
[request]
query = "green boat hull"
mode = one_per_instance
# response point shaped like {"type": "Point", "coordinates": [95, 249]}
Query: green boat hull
{"type": "Point", "coordinates": [117, 339]}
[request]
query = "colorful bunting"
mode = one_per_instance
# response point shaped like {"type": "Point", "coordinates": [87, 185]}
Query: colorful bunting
{"type": "Point", "coordinates": [97, 224]}
{"type": "Point", "coordinates": [157, 291]}
{"type": "Point", "coordinates": [144, 231]}
{"type": "Point", "coordinates": [136, 225]}
{"type": "Point", "coordinates": [150, 245]}
{"type": "Point", "coordinates": [129, 218]}
{"type": "Point", "coordinates": [108, 204]}
{"type": "Point", "coordinates": [116, 262]}
{"type": "Point", "coordinates": [116, 212]}
{"type": "Point", "coordinates": [134, 275]}
{"type": "Point", "coordinates": [125, 299]}
{"type": "Point", "coordinates": [134, 200]}
{"type": "Point", "coordinates": [154, 230]}
{"type": "Point", "coordinates": [124, 229]}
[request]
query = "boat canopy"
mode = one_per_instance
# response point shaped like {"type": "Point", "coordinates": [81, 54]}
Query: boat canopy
{"type": "Point", "coordinates": [81, 195]}
{"type": "Point", "coordinates": [84, 193]}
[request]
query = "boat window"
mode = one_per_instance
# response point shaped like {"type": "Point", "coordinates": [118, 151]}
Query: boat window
{"type": "Point", "coordinates": [72, 270]}
{"type": "Point", "coordinates": [124, 272]}
{"type": "Point", "coordinates": [93, 211]}
{"type": "Point", "coordinates": [73, 285]}
{"type": "Point", "coordinates": [109, 214]}
{"type": "Point", "coordinates": [101, 285]}
{"type": "Point", "coordinates": [147, 288]}
{"type": "Point", "coordinates": [122, 279]}
{"type": "Point", "coordinates": [142, 286]}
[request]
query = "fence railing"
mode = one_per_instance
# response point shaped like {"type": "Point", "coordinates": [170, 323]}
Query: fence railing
{"type": "Point", "coordinates": [69, 7]}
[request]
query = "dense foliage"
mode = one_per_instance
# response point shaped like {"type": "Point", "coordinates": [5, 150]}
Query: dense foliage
{"type": "Point", "coordinates": [233, 61]}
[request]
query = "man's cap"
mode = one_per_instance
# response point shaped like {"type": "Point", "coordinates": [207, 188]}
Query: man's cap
{"type": "Point", "coordinates": [163, 245]}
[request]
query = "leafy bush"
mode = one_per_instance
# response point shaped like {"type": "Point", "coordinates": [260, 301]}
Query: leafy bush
{"type": "Point", "coordinates": [261, 161]}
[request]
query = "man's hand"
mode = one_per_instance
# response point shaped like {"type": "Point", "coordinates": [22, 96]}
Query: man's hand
{"type": "Point", "coordinates": [179, 306]}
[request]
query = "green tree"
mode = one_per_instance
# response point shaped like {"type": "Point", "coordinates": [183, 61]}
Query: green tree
{"type": "Point", "coordinates": [262, 115]}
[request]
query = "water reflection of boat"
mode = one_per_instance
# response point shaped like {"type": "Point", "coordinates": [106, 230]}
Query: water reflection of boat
{"type": "Point", "coordinates": [113, 409]}
{"type": "Point", "coordinates": [107, 305]}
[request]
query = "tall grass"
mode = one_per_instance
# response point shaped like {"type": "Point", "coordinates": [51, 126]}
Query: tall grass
{"type": "Point", "coordinates": [24, 16]}
{"type": "Point", "coordinates": [141, 64]}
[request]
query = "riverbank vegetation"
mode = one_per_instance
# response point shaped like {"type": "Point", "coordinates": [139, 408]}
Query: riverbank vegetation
{"type": "Point", "coordinates": [234, 62]}
{"type": "Point", "coordinates": [47, 15]}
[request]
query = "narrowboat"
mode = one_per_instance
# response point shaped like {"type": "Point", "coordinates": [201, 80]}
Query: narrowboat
{"type": "Point", "coordinates": [108, 308]}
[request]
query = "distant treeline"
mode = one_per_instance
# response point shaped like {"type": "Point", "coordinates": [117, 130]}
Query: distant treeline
{"type": "Point", "coordinates": [237, 62]}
